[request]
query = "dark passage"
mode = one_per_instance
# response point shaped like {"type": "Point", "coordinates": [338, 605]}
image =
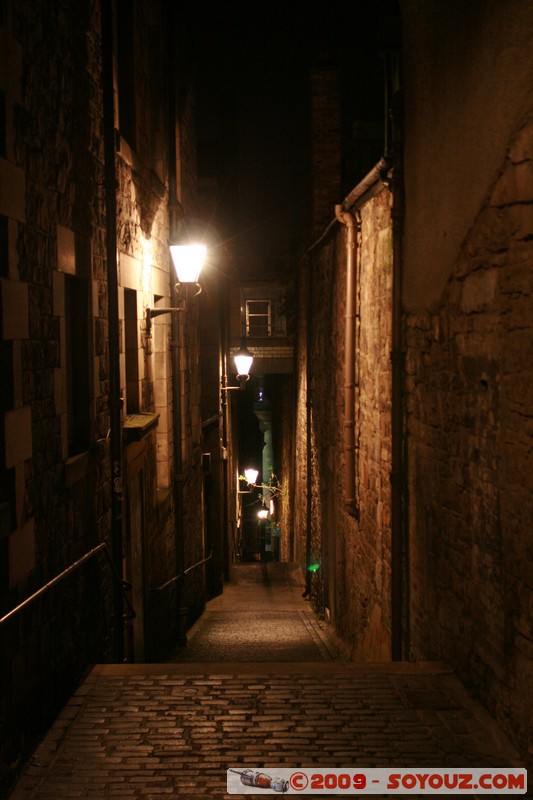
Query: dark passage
{"type": "Point", "coordinates": [261, 616]}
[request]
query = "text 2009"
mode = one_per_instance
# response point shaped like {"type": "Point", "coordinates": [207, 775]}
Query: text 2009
{"type": "Point", "coordinates": [330, 780]}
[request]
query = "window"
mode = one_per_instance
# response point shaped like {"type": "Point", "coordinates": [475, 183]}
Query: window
{"type": "Point", "coordinates": [132, 351]}
{"type": "Point", "coordinates": [258, 318]}
{"type": "Point", "coordinates": [264, 309]}
{"type": "Point", "coordinates": [78, 370]}
{"type": "Point", "coordinates": [4, 247]}
{"type": "Point", "coordinates": [3, 123]}
{"type": "Point", "coordinates": [156, 117]}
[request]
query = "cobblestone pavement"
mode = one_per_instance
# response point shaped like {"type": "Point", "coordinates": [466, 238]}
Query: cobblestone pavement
{"type": "Point", "coordinates": [172, 730]}
{"type": "Point", "coordinates": [261, 616]}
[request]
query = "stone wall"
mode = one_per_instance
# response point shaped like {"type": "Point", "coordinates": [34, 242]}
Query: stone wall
{"type": "Point", "coordinates": [55, 490]}
{"type": "Point", "coordinates": [351, 586]}
{"type": "Point", "coordinates": [470, 465]}
{"type": "Point", "coordinates": [467, 295]}
{"type": "Point", "coordinates": [466, 86]}
{"type": "Point", "coordinates": [58, 500]}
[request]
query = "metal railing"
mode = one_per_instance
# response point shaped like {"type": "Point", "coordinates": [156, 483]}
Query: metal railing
{"type": "Point", "coordinates": [103, 547]}
{"type": "Point", "coordinates": [181, 575]}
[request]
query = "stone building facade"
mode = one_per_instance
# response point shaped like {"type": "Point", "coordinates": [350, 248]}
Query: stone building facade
{"type": "Point", "coordinates": [433, 559]}
{"type": "Point", "coordinates": [67, 501]}
{"type": "Point", "coordinates": [342, 512]}
{"type": "Point", "coordinates": [468, 271]}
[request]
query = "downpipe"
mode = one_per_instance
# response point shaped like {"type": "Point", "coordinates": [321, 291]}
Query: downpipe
{"type": "Point", "coordinates": [347, 219]}
{"type": "Point", "coordinates": [308, 422]}
{"type": "Point", "coordinates": [115, 400]}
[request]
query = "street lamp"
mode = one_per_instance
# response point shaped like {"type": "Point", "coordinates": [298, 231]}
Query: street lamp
{"type": "Point", "coordinates": [251, 475]}
{"type": "Point", "coordinates": [243, 362]}
{"type": "Point", "coordinates": [188, 260]}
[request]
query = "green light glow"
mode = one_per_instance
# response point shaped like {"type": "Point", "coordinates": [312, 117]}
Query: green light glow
{"type": "Point", "coordinates": [313, 567]}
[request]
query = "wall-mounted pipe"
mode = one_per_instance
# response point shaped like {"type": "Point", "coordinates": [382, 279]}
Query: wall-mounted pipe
{"type": "Point", "coordinates": [349, 361]}
{"type": "Point", "coordinates": [308, 417]}
{"type": "Point", "coordinates": [114, 400]}
{"type": "Point", "coordinates": [175, 215]}
{"type": "Point", "coordinates": [228, 514]}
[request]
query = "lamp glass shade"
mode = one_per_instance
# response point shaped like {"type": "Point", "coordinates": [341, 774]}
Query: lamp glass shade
{"type": "Point", "coordinates": [262, 513]}
{"type": "Point", "coordinates": [243, 360]}
{"type": "Point", "coordinates": [188, 261]}
{"type": "Point", "coordinates": [251, 474]}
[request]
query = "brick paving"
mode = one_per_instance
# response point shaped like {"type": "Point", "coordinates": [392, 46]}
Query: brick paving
{"type": "Point", "coordinates": [172, 730]}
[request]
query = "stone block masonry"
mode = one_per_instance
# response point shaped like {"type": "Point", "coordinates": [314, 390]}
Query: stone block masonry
{"type": "Point", "coordinates": [54, 443]}
{"type": "Point", "coordinates": [51, 202]}
{"type": "Point", "coordinates": [470, 407]}
{"type": "Point", "coordinates": [351, 587]}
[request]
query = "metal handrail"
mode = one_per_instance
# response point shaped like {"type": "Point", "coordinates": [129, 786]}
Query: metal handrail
{"type": "Point", "coordinates": [72, 568]}
{"type": "Point", "coordinates": [179, 577]}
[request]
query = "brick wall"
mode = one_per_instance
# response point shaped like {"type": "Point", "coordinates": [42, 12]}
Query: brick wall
{"type": "Point", "coordinates": [471, 492]}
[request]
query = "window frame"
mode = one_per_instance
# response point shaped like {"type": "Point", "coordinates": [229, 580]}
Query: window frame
{"type": "Point", "coordinates": [250, 332]}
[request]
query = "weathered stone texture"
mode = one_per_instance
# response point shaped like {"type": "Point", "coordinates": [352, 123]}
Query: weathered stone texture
{"type": "Point", "coordinates": [55, 76]}
{"type": "Point", "coordinates": [53, 230]}
{"type": "Point", "coordinates": [58, 148]}
{"type": "Point", "coordinates": [352, 586]}
{"type": "Point", "coordinates": [470, 407]}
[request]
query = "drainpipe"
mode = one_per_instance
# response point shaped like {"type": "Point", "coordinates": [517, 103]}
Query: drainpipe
{"type": "Point", "coordinates": [115, 400]}
{"type": "Point", "coordinates": [309, 420]}
{"type": "Point", "coordinates": [224, 429]}
{"type": "Point", "coordinates": [175, 215]}
{"type": "Point", "coordinates": [349, 362]}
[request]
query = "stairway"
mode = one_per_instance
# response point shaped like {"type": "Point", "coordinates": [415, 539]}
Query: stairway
{"type": "Point", "coordinates": [258, 686]}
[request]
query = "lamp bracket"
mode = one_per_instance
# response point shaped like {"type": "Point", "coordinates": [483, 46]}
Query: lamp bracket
{"type": "Point", "coordinates": [156, 312]}
{"type": "Point", "coordinates": [242, 379]}
{"type": "Point", "coordinates": [183, 290]}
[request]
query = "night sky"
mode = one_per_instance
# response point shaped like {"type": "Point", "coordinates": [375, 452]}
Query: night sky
{"type": "Point", "coordinates": [254, 62]}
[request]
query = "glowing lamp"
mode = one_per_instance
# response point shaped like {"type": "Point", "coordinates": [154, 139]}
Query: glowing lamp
{"type": "Point", "coordinates": [251, 475]}
{"type": "Point", "coordinates": [188, 261]}
{"type": "Point", "coordinates": [243, 361]}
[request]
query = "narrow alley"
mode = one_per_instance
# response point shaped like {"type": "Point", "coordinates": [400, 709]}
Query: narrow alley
{"type": "Point", "coordinates": [266, 392]}
{"type": "Point", "coordinates": [260, 617]}
{"type": "Point", "coordinates": [257, 686]}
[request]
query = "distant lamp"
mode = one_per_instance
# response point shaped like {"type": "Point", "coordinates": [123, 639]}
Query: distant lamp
{"type": "Point", "coordinates": [188, 260]}
{"type": "Point", "coordinates": [243, 362]}
{"type": "Point", "coordinates": [262, 513]}
{"type": "Point", "coordinates": [251, 475]}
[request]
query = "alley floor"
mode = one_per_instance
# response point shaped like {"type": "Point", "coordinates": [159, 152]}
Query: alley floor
{"type": "Point", "coordinates": [259, 685]}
